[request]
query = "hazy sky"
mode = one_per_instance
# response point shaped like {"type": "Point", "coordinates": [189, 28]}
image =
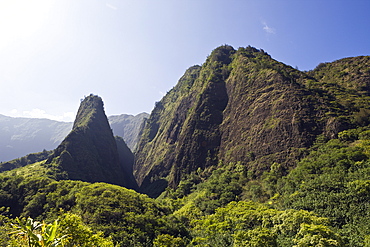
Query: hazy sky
{"type": "Point", "coordinates": [131, 52]}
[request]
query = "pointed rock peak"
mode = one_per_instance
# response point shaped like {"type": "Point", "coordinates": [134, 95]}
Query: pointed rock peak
{"type": "Point", "coordinates": [91, 107]}
{"type": "Point", "coordinates": [222, 54]}
{"type": "Point", "coordinates": [89, 153]}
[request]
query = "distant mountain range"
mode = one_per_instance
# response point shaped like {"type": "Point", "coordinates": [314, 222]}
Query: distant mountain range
{"type": "Point", "coordinates": [21, 136]}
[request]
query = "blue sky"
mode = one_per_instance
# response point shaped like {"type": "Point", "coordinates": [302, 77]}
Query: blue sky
{"type": "Point", "coordinates": [131, 52]}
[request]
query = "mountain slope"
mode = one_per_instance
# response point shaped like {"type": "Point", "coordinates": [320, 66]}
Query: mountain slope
{"type": "Point", "coordinates": [89, 153]}
{"type": "Point", "coordinates": [128, 127]}
{"type": "Point", "coordinates": [241, 106]}
{"type": "Point", "coordinates": [346, 82]}
{"type": "Point", "coordinates": [21, 136]}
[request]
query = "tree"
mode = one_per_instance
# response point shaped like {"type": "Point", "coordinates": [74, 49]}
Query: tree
{"type": "Point", "coordinates": [79, 234]}
{"type": "Point", "coordinates": [166, 240]}
{"type": "Point", "coordinates": [317, 235]}
{"type": "Point", "coordinates": [69, 231]}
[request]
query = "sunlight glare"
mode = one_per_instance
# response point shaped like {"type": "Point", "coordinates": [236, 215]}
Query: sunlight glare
{"type": "Point", "coordinates": [20, 19]}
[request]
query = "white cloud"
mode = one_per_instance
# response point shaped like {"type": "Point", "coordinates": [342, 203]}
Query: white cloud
{"type": "Point", "coordinates": [69, 116]}
{"type": "Point", "coordinates": [35, 113]}
{"type": "Point", "coordinates": [14, 112]}
{"type": "Point", "coordinates": [38, 113]}
{"type": "Point", "coordinates": [111, 6]}
{"type": "Point", "coordinates": [268, 29]}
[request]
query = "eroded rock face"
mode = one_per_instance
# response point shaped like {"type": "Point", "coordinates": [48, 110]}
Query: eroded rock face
{"type": "Point", "coordinates": [89, 153]}
{"type": "Point", "coordinates": [239, 106]}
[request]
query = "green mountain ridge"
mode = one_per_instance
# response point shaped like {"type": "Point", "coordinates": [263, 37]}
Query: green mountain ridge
{"type": "Point", "coordinates": [240, 106]}
{"type": "Point", "coordinates": [243, 151]}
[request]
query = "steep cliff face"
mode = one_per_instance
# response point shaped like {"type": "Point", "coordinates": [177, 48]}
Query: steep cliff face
{"type": "Point", "coordinates": [126, 160]}
{"type": "Point", "coordinates": [240, 106]}
{"type": "Point", "coordinates": [182, 132]}
{"type": "Point", "coordinates": [270, 114]}
{"type": "Point", "coordinates": [156, 150]}
{"type": "Point", "coordinates": [89, 153]}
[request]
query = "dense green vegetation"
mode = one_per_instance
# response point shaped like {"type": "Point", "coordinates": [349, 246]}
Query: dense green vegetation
{"type": "Point", "coordinates": [127, 217]}
{"type": "Point", "coordinates": [333, 182]}
{"type": "Point", "coordinates": [23, 161]}
{"type": "Point", "coordinates": [327, 195]}
{"type": "Point", "coordinates": [324, 201]}
{"type": "Point", "coordinates": [321, 201]}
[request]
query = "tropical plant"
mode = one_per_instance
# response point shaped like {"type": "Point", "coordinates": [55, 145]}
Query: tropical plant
{"type": "Point", "coordinates": [36, 234]}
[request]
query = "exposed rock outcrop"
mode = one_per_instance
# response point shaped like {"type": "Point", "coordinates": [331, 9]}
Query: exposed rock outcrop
{"type": "Point", "coordinates": [89, 153]}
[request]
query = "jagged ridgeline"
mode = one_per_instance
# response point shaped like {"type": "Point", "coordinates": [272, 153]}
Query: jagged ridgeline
{"type": "Point", "coordinates": [243, 107]}
{"type": "Point", "coordinates": [90, 152]}
{"type": "Point", "coordinates": [255, 153]}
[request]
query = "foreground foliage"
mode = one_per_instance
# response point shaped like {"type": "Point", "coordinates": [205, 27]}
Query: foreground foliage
{"type": "Point", "coordinates": [93, 211]}
{"type": "Point", "coordinates": [254, 224]}
{"type": "Point", "coordinates": [70, 231]}
{"type": "Point", "coordinates": [37, 234]}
